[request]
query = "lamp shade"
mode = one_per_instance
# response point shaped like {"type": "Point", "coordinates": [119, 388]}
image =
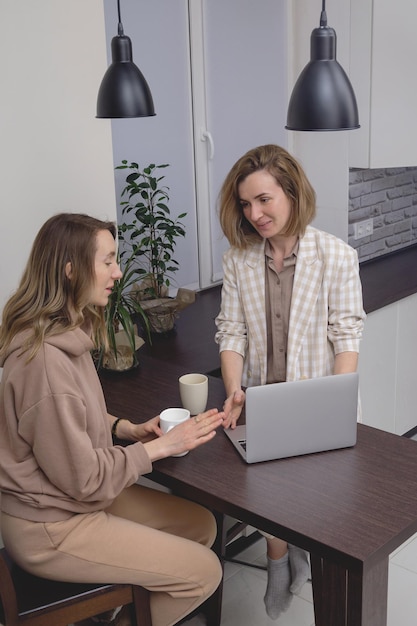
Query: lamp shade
{"type": "Point", "coordinates": [124, 91]}
{"type": "Point", "coordinates": [323, 98]}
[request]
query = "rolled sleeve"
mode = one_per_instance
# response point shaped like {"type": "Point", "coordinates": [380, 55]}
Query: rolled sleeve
{"type": "Point", "coordinates": [346, 314]}
{"type": "Point", "coordinates": [231, 325]}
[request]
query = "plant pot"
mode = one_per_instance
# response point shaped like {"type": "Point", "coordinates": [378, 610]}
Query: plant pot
{"type": "Point", "coordinates": [162, 312]}
{"type": "Point", "coordinates": [161, 319]}
{"type": "Point", "coordinates": [125, 359]}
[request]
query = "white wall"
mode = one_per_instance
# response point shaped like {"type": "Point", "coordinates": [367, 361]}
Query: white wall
{"type": "Point", "coordinates": [54, 155]}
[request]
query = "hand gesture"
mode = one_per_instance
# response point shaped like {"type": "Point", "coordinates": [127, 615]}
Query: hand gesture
{"type": "Point", "coordinates": [233, 407]}
{"type": "Point", "coordinates": [146, 431]}
{"type": "Point", "coordinates": [186, 435]}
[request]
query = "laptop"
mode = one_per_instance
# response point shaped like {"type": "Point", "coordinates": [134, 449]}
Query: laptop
{"type": "Point", "coordinates": [300, 417]}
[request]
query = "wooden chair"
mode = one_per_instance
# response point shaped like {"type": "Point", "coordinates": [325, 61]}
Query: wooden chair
{"type": "Point", "coordinates": [33, 601]}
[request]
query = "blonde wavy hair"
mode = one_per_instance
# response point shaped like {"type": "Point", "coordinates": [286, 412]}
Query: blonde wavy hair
{"type": "Point", "coordinates": [47, 303]}
{"type": "Point", "coordinates": [289, 175]}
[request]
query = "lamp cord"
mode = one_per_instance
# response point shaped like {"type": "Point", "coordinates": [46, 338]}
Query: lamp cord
{"type": "Point", "coordinates": [323, 16]}
{"type": "Point", "coordinates": [120, 25]}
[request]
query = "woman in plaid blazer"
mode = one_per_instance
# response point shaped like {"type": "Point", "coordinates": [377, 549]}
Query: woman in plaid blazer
{"type": "Point", "coordinates": [291, 305]}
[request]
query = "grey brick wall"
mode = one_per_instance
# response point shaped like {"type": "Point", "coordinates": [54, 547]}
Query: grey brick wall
{"type": "Point", "coordinates": [389, 196]}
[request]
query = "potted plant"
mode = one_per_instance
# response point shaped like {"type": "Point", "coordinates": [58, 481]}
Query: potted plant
{"type": "Point", "coordinates": [120, 312]}
{"type": "Point", "coordinates": [149, 234]}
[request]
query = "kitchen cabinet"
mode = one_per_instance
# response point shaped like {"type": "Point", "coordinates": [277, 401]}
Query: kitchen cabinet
{"type": "Point", "coordinates": [387, 371]}
{"type": "Point", "coordinates": [382, 71]}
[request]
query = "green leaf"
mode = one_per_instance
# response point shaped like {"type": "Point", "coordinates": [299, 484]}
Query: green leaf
{"type": "Point", "coordinates": [131, 178]}
{"type": "Point", "coordinates": [148, 236]}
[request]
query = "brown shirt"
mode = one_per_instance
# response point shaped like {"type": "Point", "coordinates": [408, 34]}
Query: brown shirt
{"type": "Point", "coordinates": [278, 292]}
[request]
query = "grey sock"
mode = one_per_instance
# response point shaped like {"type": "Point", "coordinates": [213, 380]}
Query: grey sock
{"type": "Point", "coordinates": [300, 567]}
{"type": "Point", "coordinates": [278, 597]}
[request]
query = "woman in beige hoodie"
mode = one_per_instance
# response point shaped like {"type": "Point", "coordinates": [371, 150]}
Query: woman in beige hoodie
{"type": "Point", "coordinates": [71, 508]}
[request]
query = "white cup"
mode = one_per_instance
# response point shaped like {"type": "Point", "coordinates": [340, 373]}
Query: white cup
{"type": "Point", "coordinates": [194, 392]}
{"type": "Point", "coordinates": [169, 418]}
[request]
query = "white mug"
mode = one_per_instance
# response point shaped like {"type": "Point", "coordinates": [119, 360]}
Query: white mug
{"type": "Point", "coordinates": [169, 418]}
{"type": "Point", "coordinates": [194, 392]}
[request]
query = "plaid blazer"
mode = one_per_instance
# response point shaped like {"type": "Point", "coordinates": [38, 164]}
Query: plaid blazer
{"type": "Point", "coordinates": [326, 315]}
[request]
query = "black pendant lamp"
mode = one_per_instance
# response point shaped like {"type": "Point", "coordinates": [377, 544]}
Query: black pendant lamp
{"type": "Point", "coordinates": [124, 91]}
{"type": "Point", "coordinates": [323, 98]}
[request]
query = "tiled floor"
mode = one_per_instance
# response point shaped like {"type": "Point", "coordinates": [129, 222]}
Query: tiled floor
{"type": "Point", "coordinates": [244, 588]}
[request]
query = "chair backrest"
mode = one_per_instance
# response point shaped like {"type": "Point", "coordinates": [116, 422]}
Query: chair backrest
{"type": "Point", "coordinates": [36, 601]}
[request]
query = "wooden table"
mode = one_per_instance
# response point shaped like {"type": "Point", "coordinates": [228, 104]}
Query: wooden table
{"type": "Point", "coordinates": [349, 508]}
{"type": "Point", "coordinates": [191, 343]}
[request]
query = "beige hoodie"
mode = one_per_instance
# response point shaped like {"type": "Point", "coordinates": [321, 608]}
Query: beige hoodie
{"type": "Point", "coordinates": [56, 451]}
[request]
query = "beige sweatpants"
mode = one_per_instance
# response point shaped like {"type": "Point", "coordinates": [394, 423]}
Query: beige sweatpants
{"type": "Point", "coordinates": [147, 537]}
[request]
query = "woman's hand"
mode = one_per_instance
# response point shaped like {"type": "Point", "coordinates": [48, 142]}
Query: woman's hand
{"type": "Point", "coordinates": [147, 431]}
{"type": "Point", "coordinates": [186, 435]}
{"type": "Point", "coordinates": [232, 367]}
{"type": "Point", "coordinates": [233, 407]}
{"type": "Point", "coordinates": [128, 431]}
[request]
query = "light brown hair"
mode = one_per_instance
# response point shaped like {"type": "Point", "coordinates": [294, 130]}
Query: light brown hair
{"type": "Point", "coordinates": [47, 302]}
{"type": "Point", "coordinates": [289, 175]}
